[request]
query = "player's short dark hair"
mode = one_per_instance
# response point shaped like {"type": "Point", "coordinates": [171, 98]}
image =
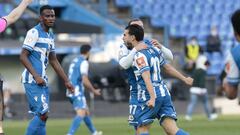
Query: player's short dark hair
{"type": "Point", "coordinates": [44, 8]}
{"type": "Point", "coordinates": [236, 21]}
{"type": "Point", "coordinates": [85, 48]}
{"type": "Point", "coordinates": [136, 31]}
{"type": "Point", "coordinates": [134, 20]}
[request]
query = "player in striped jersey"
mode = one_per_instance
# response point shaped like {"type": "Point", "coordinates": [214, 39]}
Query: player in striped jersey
{"type": "Point", "coordinates": [153, 96]}
{"type": "Point", "coordinates": [38, 49]}
{"type": "Point", "coordinates": [126, 56]}
{"type": "Point", "coordinates": [78, 75]}
{"type": "Point", "coordinates": [232, 68]}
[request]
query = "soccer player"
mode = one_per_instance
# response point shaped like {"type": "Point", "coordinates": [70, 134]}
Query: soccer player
{"type": "Point", "coordinates": [153, 96]}
{"type": "Point", "coordinates": [13, 15]}
{"type": "Point", "coordinates": [126, 56]}
{"type": "Point", "coordinates": [39, 49]}
{"type": "Point", "coordinates": [230, 84]}
{"type": "Point", "coordinates": [78, 75]}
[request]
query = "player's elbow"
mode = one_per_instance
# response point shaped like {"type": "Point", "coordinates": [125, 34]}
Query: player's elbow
{"type": "Point", "coordinates": [123, 65]}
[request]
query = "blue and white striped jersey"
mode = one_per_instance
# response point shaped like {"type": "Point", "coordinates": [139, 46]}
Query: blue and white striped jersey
{"type": "Point", "coordinates": [233, 66]}
{"type": "Point", "coordinates": [124, 51]}
{"type": "Point", "coordinates": [39, 43]}
{"type": "Point", "coordinates": [149, 60]}
{"type": "Point", "coordinates": [78, 67]}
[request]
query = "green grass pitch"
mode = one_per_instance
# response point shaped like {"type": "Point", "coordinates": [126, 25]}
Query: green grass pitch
{"type": "Point", "coordinates": [224, 125]}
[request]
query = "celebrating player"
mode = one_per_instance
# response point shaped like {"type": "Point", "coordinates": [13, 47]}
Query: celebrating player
{"type": "Point", "coordinates": [153, 97]}
{"type": "Point", "coordinates": [230, 84]}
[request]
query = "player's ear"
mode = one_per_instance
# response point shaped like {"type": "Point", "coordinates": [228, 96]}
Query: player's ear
{"type": "Point", "coordinates": [132, 37]}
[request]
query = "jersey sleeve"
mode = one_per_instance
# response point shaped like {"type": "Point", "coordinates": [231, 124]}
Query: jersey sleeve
{"type": "Point", "coordinates": [30, 39]}
{"type": "Point", "coordinates": [161, 56]}
{"type": "Point", "coordinates": [84, 68]}
{"type": "Point", "coordinates": [141, 63]}
{"type": "Point", "coordinates": [232, 70]}
{"type": "Point", "coordinates": [3, 24]}
{"type": "Point", "coordinates": [52, 49]}
{"type": "Point", "coordinates": [126, 57]}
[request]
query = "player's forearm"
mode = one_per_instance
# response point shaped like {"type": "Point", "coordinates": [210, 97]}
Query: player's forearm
{"type": "Point", "coordinates": [167, 53]}
{"type": "Point", "coordinates": [59, 70]}
{"type": "Point", "coordinates": [170, 70]}
{"type": "Point", "coordinates": [17, 12]}
{"type": "Point", "coordinates": [87, 83]}
{"type": "Point", "coordinates": [148, 83]}
{"type": "Point", "coordinates": [127, 61]}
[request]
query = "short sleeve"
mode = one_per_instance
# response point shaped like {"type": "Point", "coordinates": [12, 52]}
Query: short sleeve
{"type": "Point", "coordinates": [30, 39]}
{"type": "Point", "coordinates": [3, 24]}
{"type": "Point", "coordinates": [84, 68]}
{"type": "Point", "coordinates": [123, 51]}
{"type": "Point", "coordinates": [231, 70]}
{"type": "Point", "coordinates": [52, 49]}
{"type": "Point", "coordinates": [141, 63]}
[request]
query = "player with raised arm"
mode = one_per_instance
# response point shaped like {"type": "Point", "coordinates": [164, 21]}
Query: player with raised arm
{"type": "Point", "coordinates": [126, 55]}
{"type": "Point", "coordinates": [78, 75]}
{"type": "Point", "coordinates": [230, 84]}
{"type": "Point", "coordinates": [153, 96]}
{"type": "Point", "coordinates": [13, 15]}
{"type": "Point", "coordinates": [39, 49]}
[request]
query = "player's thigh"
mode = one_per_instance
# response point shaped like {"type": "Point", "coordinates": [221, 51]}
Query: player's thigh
{"type": "Point", "coordinates": [79, 104]}
{"type": "Point", "coordinates": [38, 98]}
{"type": "Point", "coordinates": [134, 113]}
{"type": "Point", "coordinates": [147, 115]}
{"type": "Point", "coordinates": [166, 110]}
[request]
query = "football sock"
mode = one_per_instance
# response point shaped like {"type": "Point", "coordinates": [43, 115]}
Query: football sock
{"type": "Point", "coordinates": [88, 122]}
{"type": "Point", "coordinates": [33, 126]}
{"type": "Point", "coordinates": [75, 124]}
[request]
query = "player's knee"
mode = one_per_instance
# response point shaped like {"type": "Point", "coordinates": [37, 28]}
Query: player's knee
{"type": "Point", "coordinates": [44, 117]}
{"type": "Point", "coordinates": [81, 113]}
{"type": "Point", "coordinates": [231, 95]}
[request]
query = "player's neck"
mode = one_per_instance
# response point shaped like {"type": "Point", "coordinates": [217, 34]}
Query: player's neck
{"type": "Point", "coordinates": [45, 28]}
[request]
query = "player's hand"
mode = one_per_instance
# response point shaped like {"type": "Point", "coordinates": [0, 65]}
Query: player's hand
{"type": "Point", "coordinates": [40, 81]}
{"type": "Point", "coordinates": [156, 43]}
{"type": "Point", "coordinates": [188, 80]}
{"type": "Point", "coordinates": [151, 103]}
{"type": "Point", "coordinates": [97, 92]}
{"type": "Point", "coordinates": [69, 86]}
{"type": "Point", "coordinates": [141, 46]}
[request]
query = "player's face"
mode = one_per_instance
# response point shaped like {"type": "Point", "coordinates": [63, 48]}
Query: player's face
{"type": "Point", "coordinates": [127, 39]}
{"type": "Point", "coordinates": [48, 17]}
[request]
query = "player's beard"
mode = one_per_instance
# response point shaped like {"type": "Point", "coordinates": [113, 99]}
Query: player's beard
{"type": "Point", "coordinates": [129, 45]}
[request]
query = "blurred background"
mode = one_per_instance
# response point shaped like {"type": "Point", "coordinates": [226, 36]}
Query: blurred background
{"type": "Point", "coordinates": [100, 23]}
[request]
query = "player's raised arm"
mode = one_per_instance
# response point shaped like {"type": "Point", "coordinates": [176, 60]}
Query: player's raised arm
{"type": "Point", "coordinates": [17, 12]}
{"type": "Point", "coordinates": [167, 53]}
{"type": "Point", "coordinates": [126, 56]}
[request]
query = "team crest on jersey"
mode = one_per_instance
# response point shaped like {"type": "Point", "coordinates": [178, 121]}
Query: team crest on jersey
{"type": "Point", "coordinates": [130, 117]}
{"type": "Point", "coordinates": [140, 62]}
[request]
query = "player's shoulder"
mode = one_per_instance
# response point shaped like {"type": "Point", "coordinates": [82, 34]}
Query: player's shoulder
{"type": "Point", "coordinates": [33, 31]}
